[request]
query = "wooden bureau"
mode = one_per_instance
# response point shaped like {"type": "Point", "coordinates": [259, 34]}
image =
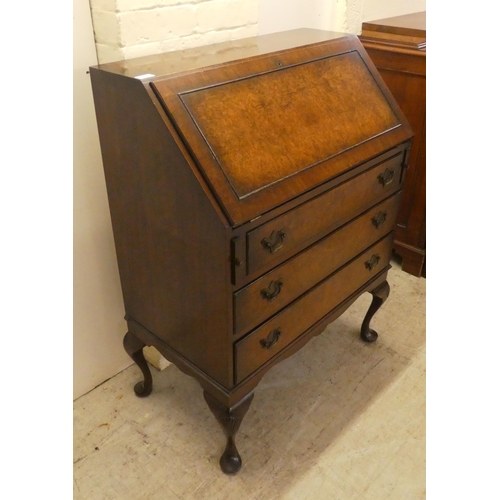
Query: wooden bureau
{"type": "Point", "coordinates": [253, 189]}
{"type": "Point", "coordinates": [397, 46]}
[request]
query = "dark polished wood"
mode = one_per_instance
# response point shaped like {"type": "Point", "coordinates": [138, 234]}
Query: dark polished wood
{"type": "Point", "coordinates": [230, 420]}
{"type": "Point", "coordinates": [324, 212]}
{"type": "Point", "coordinates": [304, 270]}
{"type": "Point", "coordinates": [155, 222]}
{"type": "Point", "coordinates": [253, 190]}
{"type": "Point", "coordinates": [309, 309]}
{"type": "Point", "coordinates": [380, 295]}
{"type": "Point", "coordinates": [133, 346]}
{"type": "Point", "coordinates": [397, 47]}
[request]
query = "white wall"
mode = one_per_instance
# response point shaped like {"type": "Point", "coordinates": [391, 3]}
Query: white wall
{"type": "Point", "coordinates": [377, 9]}
{"type": "Point", "coordinates": [133, 28]}
{"type": "Point", "coordinates": [98, 306]}
{"type": "Point", "coordinates": [282, 15]}
{"type": "Point", "coordinates": [345, 16]}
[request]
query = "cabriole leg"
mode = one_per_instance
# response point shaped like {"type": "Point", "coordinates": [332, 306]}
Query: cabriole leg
{"type": "Point", "coordinates": [230, 421]}
{"type": "Point", "coordinates": [380, 295]}
{"type": "Point", "coordinates": [134, 346]}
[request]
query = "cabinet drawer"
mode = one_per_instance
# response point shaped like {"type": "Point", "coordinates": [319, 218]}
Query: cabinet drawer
{"type": "Point", "coordinates": [268, 340]}
{"type": "Point", "coordinates": [278, 237]}
{"type": "Point", "coordinates": [264, 297]}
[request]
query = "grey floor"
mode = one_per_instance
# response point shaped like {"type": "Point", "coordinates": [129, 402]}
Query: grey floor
{"type": "Point", "coordinates": [340, 419]}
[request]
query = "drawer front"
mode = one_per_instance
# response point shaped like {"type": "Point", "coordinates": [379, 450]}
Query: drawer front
{"type": "Point", "coordinates": [273, 291]}
{"type": "Point", "coordinates": [278, 237]}
{"type": "Point", "coordinates": [268, 340]}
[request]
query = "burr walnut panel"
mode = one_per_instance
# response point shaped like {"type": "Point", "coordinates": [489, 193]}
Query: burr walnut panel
{"type": "Point", "coordinates": [288, 120]}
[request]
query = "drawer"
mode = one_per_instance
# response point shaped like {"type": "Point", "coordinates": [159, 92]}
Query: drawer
{"type": "Point", "coordinates": [290, 231]}
{"type": "Point", "coordinates": [268, 340]}
{"type": "Point", "coordinates": [264, 297]}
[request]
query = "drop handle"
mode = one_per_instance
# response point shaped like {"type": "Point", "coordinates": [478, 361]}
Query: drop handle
{"type": "Point", "coordinates": [379, 219]}
{"type": "Point", "coordinates": [272, 291]}
{"type": "Point", "coordinates": [271, 340]}
{"type": "Point", "coordinates": [275, 241]}
{"type": "Point", "coordinates": [386, 177]}
{"type": "Point", "coordinates": [372, 262]}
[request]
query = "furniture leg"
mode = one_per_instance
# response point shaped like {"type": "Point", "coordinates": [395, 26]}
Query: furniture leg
{"type": "Point", "coordinates": [380, 295]}
{"type": "Point", "coordinates": [413, 259]}
{"type": "Point", "coordinates": [230, 420]}
{"type": "Point", "coordinates": [134, 346]}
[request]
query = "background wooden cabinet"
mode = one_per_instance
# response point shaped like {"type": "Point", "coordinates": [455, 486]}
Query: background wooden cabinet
{"type": "Point", "coordinates": [397, 46]}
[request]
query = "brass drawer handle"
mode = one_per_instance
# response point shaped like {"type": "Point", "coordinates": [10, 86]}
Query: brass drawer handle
{"type": "Point", "coordinates": [272, 291]}
{"type": "Point", "coordinates": [271, 339]}
{"type": "Point", "coordinates": [372, 263]}
{"type": "Point", "coordinates": [387, 177]}
{"type": "Point", "coordinates": [275, 241]}
{"type": "Point", "coordinates": [379, 219]}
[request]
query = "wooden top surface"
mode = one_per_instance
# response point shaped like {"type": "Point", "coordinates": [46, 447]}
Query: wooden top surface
{"type": "Point", "coordinates": [409, 24]}
{"type": "Point", "coordinates": [170, 63]}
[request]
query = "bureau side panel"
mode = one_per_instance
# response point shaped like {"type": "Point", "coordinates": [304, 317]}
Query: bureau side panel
{"type": "Point", "coordinates": [170, 241]}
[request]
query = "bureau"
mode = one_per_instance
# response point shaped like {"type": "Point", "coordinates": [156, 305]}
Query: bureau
{"type": "Point", "coordinates": [253, 188]}
{"type": "Point", "coordinates": [397, 47]}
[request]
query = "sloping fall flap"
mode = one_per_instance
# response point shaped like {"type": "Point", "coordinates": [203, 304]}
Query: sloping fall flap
{"type": "Point", "coordinates": [265, 131]}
